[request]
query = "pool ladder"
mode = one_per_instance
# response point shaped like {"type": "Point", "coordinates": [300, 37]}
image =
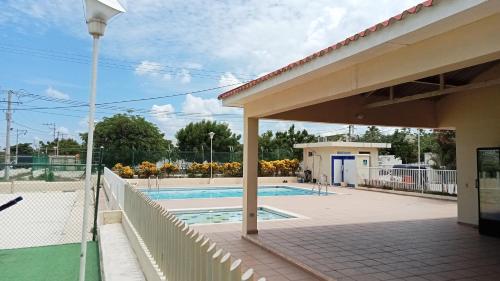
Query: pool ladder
{"type": "Point", "coordinates": [323, 181]}
{"type": "Point", "coordinates": [157, 184]}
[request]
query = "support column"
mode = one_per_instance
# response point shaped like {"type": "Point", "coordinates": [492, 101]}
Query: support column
{"type": "Point", "coordinates": [250, 177]}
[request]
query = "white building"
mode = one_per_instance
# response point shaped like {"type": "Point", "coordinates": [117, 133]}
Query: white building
{"type": "Point", "coordinates": [340, 161]}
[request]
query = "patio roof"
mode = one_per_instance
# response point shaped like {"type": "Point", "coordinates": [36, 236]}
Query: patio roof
{"type": "Point", "coordinates": [320, 53]}
{"type": "Point", "coordinates": [349, 64]}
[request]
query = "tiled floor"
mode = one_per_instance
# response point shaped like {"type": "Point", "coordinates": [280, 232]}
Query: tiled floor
{"type": "Point", "coordinates": [360, 235]}
{"type": "Point", "coordinates": [436, 249]}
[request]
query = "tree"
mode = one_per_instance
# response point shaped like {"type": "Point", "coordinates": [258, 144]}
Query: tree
{"type": "Point", "coordinates": [194, 138]}
{"type": "Point", "coordinates": [445, 149]}
{"type": "Point", "coordinates": [282, 143]}
{"type": "Point", "coordinates": [403, 145]}
{"type": "Point", "coordinates": [23, 149]}
{"type": "Point", "coordinates": [128, 139]}
{"type": "Point", "coordinates": [66, 147]}
{"type": "Point", "coordinates": [373, 134]}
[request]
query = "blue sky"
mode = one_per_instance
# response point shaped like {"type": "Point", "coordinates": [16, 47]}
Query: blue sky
{"type": "Point", "coordinates": [162, 48]}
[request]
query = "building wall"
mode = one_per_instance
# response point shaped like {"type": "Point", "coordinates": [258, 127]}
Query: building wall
{"type": "Point", "coordinates": [321, 162]}
{"type": "Point", "coordinates": [476, 117]}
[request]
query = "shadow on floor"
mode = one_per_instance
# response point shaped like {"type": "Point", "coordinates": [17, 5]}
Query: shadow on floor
{"type": "Point", "coordinates": [435, 249]}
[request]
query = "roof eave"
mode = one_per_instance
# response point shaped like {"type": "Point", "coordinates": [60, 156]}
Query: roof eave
{"type": "Point", "coordinates": [446, 15]}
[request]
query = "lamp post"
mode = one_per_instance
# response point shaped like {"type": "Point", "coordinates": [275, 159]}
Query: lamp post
{"type": "Point", "coordinates": [97, 14]}
{"type": "Point", "coordinates": [211, 134]}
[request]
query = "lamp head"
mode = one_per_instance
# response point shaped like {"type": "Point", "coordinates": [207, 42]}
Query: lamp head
{"type": "Point", "coordinates": [98, 12]}
{"type": "Point", "coordinates": [211, 134]}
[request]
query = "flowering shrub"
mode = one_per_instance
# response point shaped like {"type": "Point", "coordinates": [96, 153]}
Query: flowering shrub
{"type": "Point", "coordinates": [123, 171]}
{"type": "Point", "coordinates": [231, 169]}
{"type": "Point", "coordinates": [126, 172]}
{"type": "Point", "coordinates": [169, 169]}
{"type": "Point", "coordinates": [203, 169]}
{"type": "Point", "coordinates": [266, 168]}
{"type": "Point", "coordinates": [147, 169]}
{"type": "Point", "coordinates": [198, 168]}
{"type": "Point", "coordinates": [285, 167]}
{"type": "Point", "coordinates": [117, 167]}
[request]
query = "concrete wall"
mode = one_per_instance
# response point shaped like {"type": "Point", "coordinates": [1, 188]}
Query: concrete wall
{"type": "Point", "coordinates": [476, 117]}
{"type": "Point", "coordinates": [41, 186]}
{"type": "Point", "coordinates": [321, 162]}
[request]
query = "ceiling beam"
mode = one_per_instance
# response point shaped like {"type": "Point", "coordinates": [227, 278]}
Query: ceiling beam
{"type": "Point", "coordinates": [432, 84]}
{"type": "Point", "coordinates": [437, 93]}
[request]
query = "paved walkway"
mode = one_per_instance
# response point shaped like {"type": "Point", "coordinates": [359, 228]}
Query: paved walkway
{"type": "Point", "coordinates": [118, 258]}
{"type": "Point", "coordinates": [436, 249]}
{"type": "Point", "coordinates": [360, 235]}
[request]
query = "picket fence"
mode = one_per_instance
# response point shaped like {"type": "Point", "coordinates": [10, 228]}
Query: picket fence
{"type": "Point", "coordinates": [181, 253]}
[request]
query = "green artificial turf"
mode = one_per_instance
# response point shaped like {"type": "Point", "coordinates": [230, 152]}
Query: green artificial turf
{"type": "Point", "coordinates": [49, 263]}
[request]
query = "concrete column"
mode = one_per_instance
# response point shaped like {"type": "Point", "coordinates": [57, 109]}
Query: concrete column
{"type": "Point", "coordinates": [250, 177]}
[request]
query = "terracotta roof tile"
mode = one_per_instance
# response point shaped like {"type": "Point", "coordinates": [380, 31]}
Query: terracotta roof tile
{"type": "Point", "coordinates": [366, 32]}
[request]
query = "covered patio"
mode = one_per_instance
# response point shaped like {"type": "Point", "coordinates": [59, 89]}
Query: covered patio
{"type": "Point", "coordinates": [436, 65]}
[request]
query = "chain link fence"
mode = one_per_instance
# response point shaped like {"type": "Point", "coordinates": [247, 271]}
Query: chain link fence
{"type": "Point", "coordinates": [51, 209]}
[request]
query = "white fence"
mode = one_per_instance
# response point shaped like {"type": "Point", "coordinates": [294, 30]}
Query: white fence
{"type": "Point", "coordinates": [181, 253]}
{"type": "Point", "coordinates": [423, 180]}
{"type": "Point", "coordinates": [115, 188]}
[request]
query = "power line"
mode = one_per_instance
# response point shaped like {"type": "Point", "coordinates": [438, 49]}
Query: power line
{"type": "Point", "coordinates": [108, 105]}
{"type": "Point", "coordinates": [117, 64]}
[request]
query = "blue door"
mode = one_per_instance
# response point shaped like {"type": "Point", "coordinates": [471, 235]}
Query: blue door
{"type": "Point", "coordinates": [338, 166]}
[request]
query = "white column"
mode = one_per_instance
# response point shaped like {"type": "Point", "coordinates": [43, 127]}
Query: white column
{"type": "Point", "coordinates": [250, 162]}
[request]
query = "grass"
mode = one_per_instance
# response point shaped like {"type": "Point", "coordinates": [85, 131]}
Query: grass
{"type": "Point", "coordinates": [49, 263]}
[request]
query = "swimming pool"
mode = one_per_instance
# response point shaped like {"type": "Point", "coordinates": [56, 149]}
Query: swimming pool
{"type": "Point", "coordinates": [227, 215]}
{"type": "Point", "coordinates": [222, 192]}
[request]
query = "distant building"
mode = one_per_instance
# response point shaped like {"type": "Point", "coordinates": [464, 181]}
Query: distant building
{"type": "Point", "coordinates": [389, 160]}
{"type": "Point", "coordinates": [340, 161]}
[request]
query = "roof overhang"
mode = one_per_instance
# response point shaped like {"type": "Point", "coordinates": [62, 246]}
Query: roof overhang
{"type": "Point", "coordinates": [342, 144]}
{"type": "Point", "coordinates": [443, 17]}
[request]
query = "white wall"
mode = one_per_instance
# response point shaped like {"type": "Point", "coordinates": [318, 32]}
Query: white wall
{"type": "Point", "coordinates": [321, 162]}
{"type": "Point", "coordinates": [476, 117]}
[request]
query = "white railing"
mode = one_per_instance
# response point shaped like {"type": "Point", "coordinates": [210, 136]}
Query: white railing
{"type": "Point", "coordinates": [423, 180]}
{"type": "Point", "coordinates": [181, 253]}
{"type": "Point", "coordinates": [115, 188]}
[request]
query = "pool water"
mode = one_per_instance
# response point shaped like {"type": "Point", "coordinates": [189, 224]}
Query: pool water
{"type": "Point", "coordinates": [222, 192]}
{"type": "Point", "coordinates": [226, 215]}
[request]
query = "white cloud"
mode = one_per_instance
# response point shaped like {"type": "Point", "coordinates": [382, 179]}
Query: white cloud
{"type": "Point", "coordinates": [228, 79]}
{"type": "Point", "coordinates": [184, 76]}
{"type": "Point", "coordinates": [148, 68]}
{"type": "Point", "coordinates": [252, 36]}
{"type": "Point", "coordinates": [194, 109]}
{"type": "Point", "coordinates": [64, 131]}
{"type": "Point", "coordinates": [53, 93]}
{"type": "Point", "coordinates": [198, 105]}
{"type": "Point", "coordinates": [157, 70]}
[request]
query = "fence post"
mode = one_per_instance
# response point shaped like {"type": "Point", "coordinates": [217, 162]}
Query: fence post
{"type": "Point", "coordinates": [215, 260]}
{"type": "Point", "coordinates": [208, 260]}
{"type": "Point", "coordinates": [248, 275]}
{"type": "Point", "coordinates": [224, 264]}
{"type": "Point", "coordinates": [235, 271]}
{"type": "Point", "coordinates": [98, 187]}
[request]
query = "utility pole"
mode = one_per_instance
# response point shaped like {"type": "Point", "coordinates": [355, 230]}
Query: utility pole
{"type": "Point", "coordinates": [24, 132]}
{"type": "Point", "coordinates": [8, 117]}
{"type": "Point", "coordinates": [51, 126]}
{"type": "Point", "coordinates": [59, 137]}
{"type": "Point", "coordinates": [350, 133]}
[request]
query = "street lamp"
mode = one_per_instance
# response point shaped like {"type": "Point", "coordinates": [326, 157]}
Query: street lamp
{"type": "Point", "coordinates": [97, 14]}
{"type": "Point", "coordinates": [211, 134]}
